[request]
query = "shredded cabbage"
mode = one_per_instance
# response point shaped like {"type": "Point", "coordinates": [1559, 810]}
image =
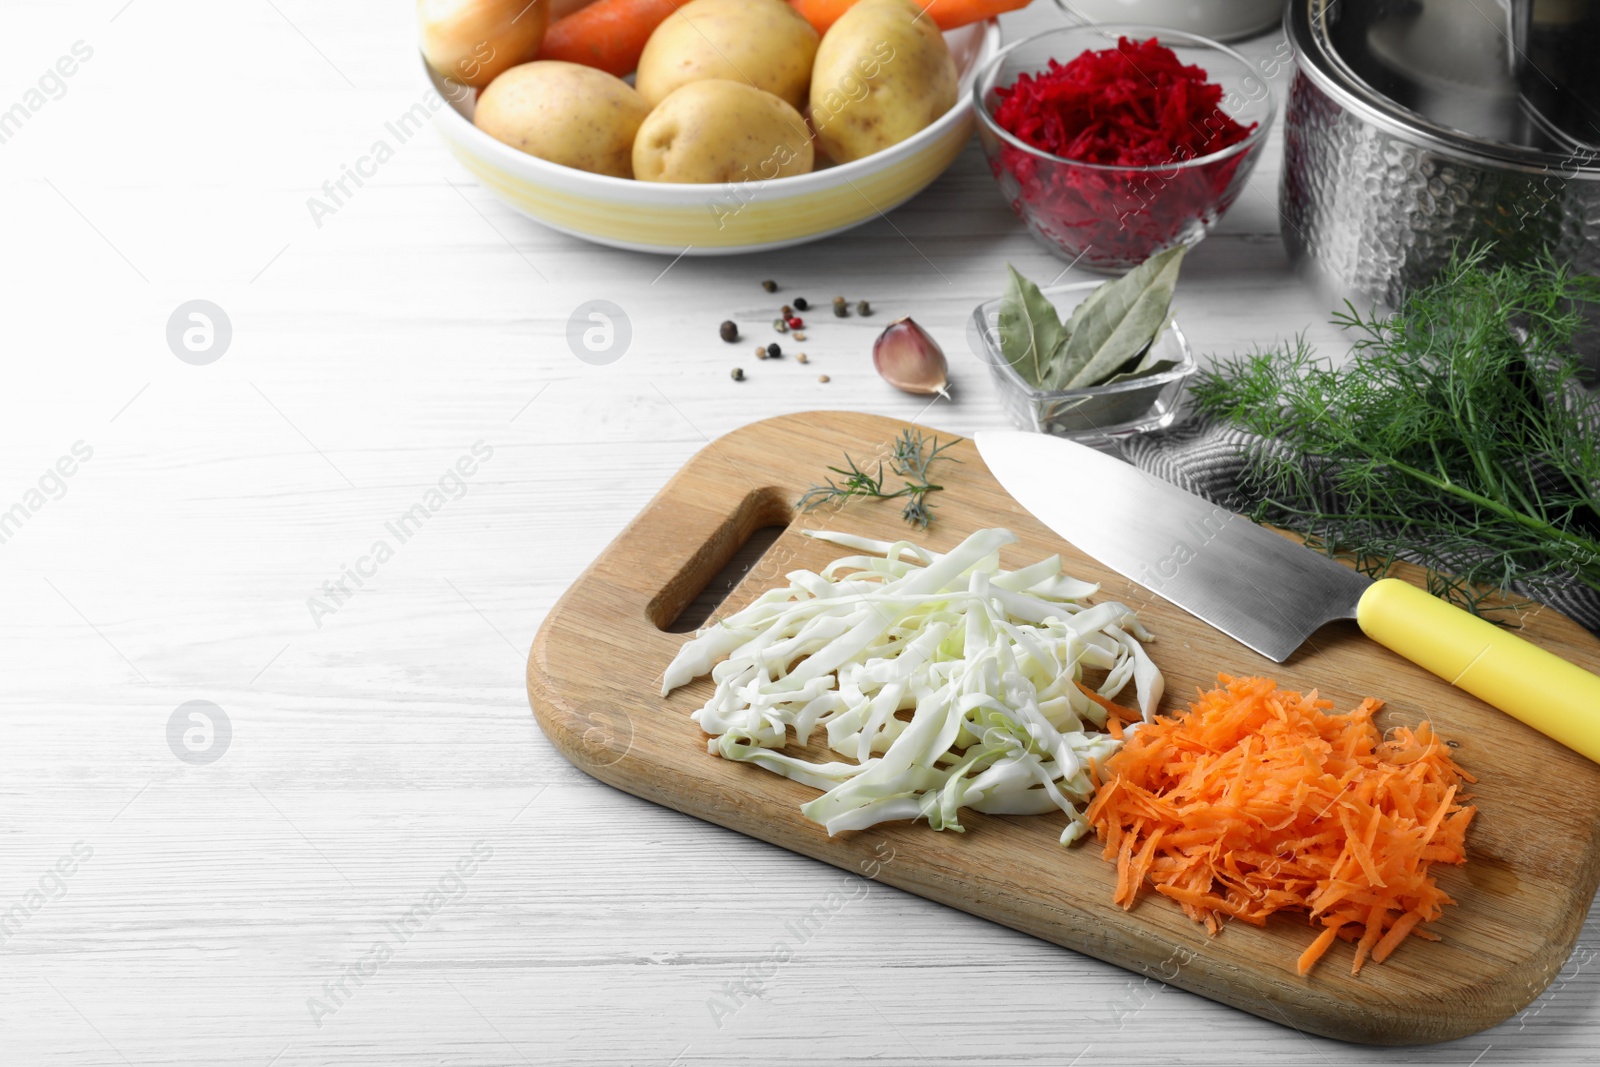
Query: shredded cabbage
{"type": "Point", "coordinates": [986, 660]}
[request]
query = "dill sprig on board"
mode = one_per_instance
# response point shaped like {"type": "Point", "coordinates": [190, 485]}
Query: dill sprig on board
{"type": "Point", "coordinates": [1457, 434]}
{"type": "Point", "coordinates": [910, 458]}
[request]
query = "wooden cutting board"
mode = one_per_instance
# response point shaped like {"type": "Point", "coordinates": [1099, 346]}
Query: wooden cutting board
{"type": "Point", "coordinates": [594, 680]}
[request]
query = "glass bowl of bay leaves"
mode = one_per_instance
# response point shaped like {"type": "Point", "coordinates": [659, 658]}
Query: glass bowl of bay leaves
{"type": "Point", "coordinates": [1093, 361]}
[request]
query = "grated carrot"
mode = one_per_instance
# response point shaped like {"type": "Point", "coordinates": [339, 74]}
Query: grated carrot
{"type": "Point", "coordinates": [1257, 800]}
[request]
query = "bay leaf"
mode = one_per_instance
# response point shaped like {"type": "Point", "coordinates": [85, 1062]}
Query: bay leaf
{"type": "Point", "coordinates": [1160, 366]}
{"type": "Point", "coordinates": [1118, 321]}
{"type": "Point", "coordinates": [1031, 334]}
{"type": "Point", "coordinates": [1150, 356]}
{"type": "Point", "coordinates": [1144, 362]}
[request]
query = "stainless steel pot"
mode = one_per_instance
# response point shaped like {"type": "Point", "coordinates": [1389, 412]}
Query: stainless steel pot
{"type": "Point", "coordinates": [1406, 133]}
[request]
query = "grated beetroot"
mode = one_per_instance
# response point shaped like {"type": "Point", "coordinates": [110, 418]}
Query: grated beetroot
{"type": "Point", "coordinates": [1136, 105]}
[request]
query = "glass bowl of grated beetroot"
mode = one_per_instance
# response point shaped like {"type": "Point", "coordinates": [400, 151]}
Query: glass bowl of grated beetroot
{"type": "Point", "coordinates": [1116, 142]}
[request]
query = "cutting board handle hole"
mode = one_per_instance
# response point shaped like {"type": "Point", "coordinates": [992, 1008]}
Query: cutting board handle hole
{"type": "Point", "coordinates": [732, 552]}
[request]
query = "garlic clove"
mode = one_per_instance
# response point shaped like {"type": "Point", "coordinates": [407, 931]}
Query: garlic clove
{"type": "Point", "coordinates": [908, 359]}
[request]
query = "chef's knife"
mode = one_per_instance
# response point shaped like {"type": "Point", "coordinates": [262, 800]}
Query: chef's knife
{"type": "Point", "coordinates": [1270, 593]}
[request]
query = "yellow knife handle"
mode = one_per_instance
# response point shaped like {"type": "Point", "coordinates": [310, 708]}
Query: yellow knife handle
{"type": "Point", "coordinates": [1559, 699]}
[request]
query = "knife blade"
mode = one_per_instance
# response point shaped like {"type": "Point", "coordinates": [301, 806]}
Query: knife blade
{"type": "Point", "coordinates": [1270, 593]}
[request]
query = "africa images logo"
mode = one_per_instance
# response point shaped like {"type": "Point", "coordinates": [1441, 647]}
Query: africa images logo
{"type": "Point", "coordinates": [51, 485]}
{"type": "Point", "coordinates": [451, 485]}
{"type": "Point", "coordinates": [51, 85]}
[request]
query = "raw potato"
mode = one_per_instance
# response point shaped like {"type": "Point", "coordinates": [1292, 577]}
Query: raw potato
{"type": "Point", "coordinates": [883, 72]}
{"type": "Point", "coordinates": [764, 43]}
{"type": "Point", "coordinates": [721, 131]}
{"type": "Point", "coordinates": [474, 41]}
{"type": "Point", "coordinates": [569, 114]}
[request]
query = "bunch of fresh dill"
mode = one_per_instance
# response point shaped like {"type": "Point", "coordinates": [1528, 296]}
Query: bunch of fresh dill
{"type": "Point", "coordinates": [910, 457]}
{"type": "Point", "coordinates": [1457, 435]}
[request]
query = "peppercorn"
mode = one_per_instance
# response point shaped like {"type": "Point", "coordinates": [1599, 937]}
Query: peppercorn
{"type": "Point", "coordinates": [773, 351]}
{"type": "Point", "coordinates": [822, 378]}
{"type": "Point", "coordinates": [841, 309]}
{"type": "Point", "coordinates": [730, 331]}
{"type": "Point", "coordinates": [795, 322]}
{"type": "Point", "coordinates": [737, 374]}
{"type": "Point", "coordinates": [761, 351]}
{"type": "Point", "coordinates": [786, 311]}
{"type": "Point", "coordinates": [863, 308]}
{"type": "Point", "coordinates": [802, 358]}
{"type": "Point", "coordinates": [800, 303]}
{"type": "Point", "coordinates": [770, 286]}
{"type": "Point", "coordinates": [780, 326]}
{"type": "Point", "coordinates": [798, 336]}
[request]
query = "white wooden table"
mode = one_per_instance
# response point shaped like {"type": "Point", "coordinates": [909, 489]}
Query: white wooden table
{"type": "Point", "coordinates": [158, 911]}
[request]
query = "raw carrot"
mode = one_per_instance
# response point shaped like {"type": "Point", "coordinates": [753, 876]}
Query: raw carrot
{"type": "Point", "coordinates": [1257, 800]}
{"type": "Point", "coordinates": [608, 34]}
{"type": "Point", "coordinates": [560, 9]}
{"type": "Point", "coordinates": [821, 13]}
{"type": "Point", "coordinates": [946, 14]}
{"type": "Point", "coordinates": [1312, 954]}
{"type": "Point", "coordinates": [1116, 714]}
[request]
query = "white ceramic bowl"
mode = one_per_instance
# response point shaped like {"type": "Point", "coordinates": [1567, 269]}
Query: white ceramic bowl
{"type": "Point", "coordinates": [1221, 20]}
{"type": "Point", "coordinates": [725, 218]}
